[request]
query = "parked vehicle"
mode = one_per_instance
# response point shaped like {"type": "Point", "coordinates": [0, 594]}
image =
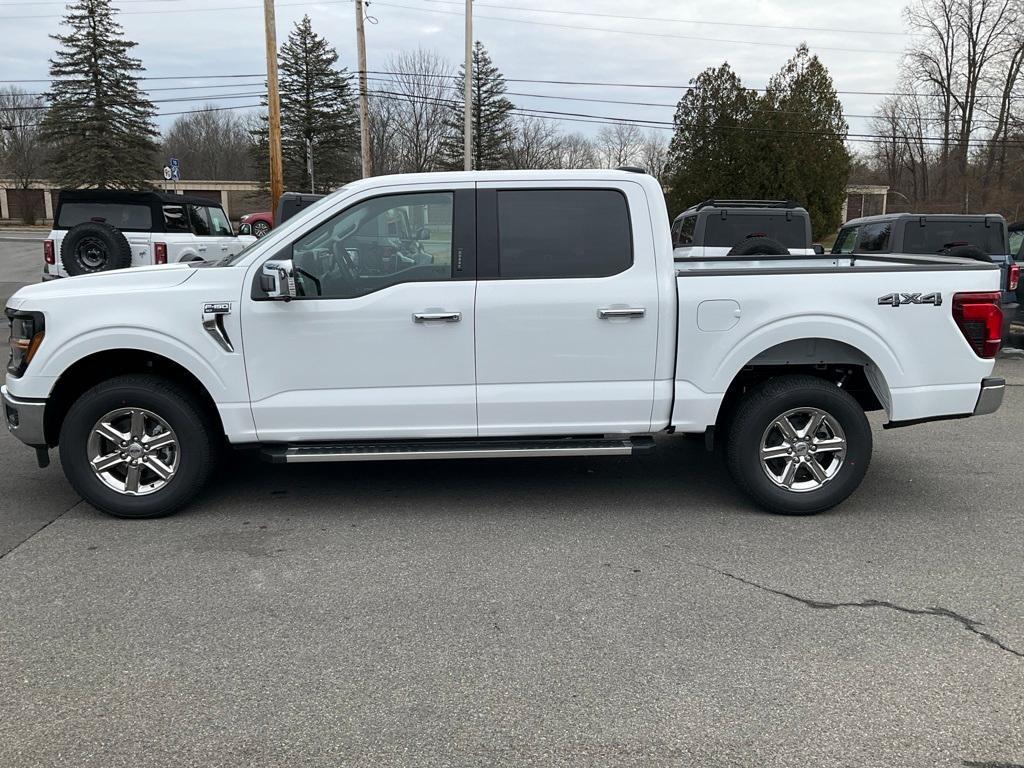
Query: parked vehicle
{"type": "Point", "coordinates": [742, 228]}
{"type": "Point", "coordinates": [260, 224]}
{"type": "Point", "coordinates": [494, 314]}
{"type": "Point", "coordinates": [981, 237]}
{"type": "Point", "coordinates": [1016, 235]}
{"type": "Point", "coordinates": [256, 224]}
{"type": "Point", "coordinates": [96, 230]}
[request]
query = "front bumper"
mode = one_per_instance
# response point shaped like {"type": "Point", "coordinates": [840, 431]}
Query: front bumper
{"type": "Point", "coordinates": [25, 419]}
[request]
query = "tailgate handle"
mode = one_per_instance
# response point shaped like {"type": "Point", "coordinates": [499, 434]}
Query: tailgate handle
{"type": "Point", "coordinates": [609, 314]}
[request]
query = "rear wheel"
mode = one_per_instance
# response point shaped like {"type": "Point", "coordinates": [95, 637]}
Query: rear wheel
{"type": "Point", "coordinates": [137, 446]}
{"type": "Point", "coordinates": [799, 445]}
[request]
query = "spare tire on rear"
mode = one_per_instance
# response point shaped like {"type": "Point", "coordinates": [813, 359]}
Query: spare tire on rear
{"type": "Point", "coordinates": [758, 245]}
{"type": "Point", "coordinates": [967, 252]}
{"type": "Point", "coordinates": [94, 246]}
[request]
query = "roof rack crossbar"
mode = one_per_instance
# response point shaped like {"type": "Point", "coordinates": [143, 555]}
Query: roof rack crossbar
{"type": "Point", "coordinates": [723, 203]}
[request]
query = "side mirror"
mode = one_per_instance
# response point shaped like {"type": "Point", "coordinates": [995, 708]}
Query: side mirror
{"type": "Point", "coordinates": [819, 249]}
{"type": "Point", "coordinates": [245, 229]}
{"type": "Point", "coordinates": [277, 280]}
{"type": "Point", "coordinates": [422, 233]}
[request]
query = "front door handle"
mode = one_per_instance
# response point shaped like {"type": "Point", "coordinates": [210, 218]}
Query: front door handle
{"type": "Point", "coordinates": [609, 313]}
{"type": "Point", "coordinates": [437, 317]}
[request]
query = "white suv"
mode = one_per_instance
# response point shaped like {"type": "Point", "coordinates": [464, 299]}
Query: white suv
{"type": "Point", "coordinates": [96, 230]}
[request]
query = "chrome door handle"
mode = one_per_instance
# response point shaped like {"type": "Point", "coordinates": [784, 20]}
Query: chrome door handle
{"type": "Point", "coordinates": [608, 314]}
{"type": "Point", "coordinates": [437, 317]}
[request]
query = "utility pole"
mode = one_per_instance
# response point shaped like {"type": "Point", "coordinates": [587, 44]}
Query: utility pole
{"type": "Point", "coordinates": [274, 107]}
{"type": "Point", "coordinates": [364, 108]}
{"type": "Point", "coordinates": [468, 95]}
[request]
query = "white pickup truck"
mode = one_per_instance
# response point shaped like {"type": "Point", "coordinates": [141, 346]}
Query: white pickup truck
{"type": "Point", "coordinates": [97, 230]}
{"type": "Point", "coordinates": [493, 314]}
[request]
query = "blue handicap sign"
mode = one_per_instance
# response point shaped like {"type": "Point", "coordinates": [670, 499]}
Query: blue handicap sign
{"type": "Point", "coordinates": [175, 174]}
{"type": "Point", "coordinates": [174, 162]}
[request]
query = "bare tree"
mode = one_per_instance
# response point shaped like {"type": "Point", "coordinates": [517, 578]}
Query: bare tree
{"type": "Point", "coordinates": [534, 143]}
{"type": "Point", "coordinates": [422, 91]}
{"type": "Point", "coordinates": [654, 153]}
{"type": "Point", "coordinates": [384, 140]}
{"type": "Point", "coordinates": [22, 150]}
{"type": "Point", "coordinates": [211, 144]}
{"type": "Point", "coordinates": [574, 150]}
{"type": "Point", "coordinates": [619, 144]}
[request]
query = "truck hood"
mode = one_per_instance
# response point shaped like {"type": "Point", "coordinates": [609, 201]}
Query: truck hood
{"type": "Point", "coordinates": [104, 283]}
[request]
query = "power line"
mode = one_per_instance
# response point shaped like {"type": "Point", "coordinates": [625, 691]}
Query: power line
{"type": "Point", "coordinates": [676, 20]}
{"type": "Point", "coordinates": [181, 10]}
{"type": "Point", "coordinates": [577, 27]}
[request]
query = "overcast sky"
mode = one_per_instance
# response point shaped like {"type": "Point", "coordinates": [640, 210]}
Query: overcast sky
{"type": "Point", "coordinates": [225, 37]}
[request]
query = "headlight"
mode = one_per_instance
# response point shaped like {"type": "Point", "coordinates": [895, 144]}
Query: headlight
{"type": "Point", "coordinates": [245, 218]}
{"type": "Point", "coordinates": [26, 336]}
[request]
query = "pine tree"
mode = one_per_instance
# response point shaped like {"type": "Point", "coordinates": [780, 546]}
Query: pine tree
{"type": "Point", "coordinates": [805, 157]}
{"type": "Point", "coordinates": [709, 152]}
{"type": "Point", "coordinates": [491, 116]}
{"type": "Point", "coordinates": [318, 113]}
{"type": "Point", "coordinates": [100, 125]}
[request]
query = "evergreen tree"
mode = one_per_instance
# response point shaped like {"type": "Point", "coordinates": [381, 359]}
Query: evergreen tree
{"type": "Point", "coordinates": [804, 157]}
{"type": "Point", "coordinates": [490, 113]}
{"type": "Point", "coordinates": [789, 143]}
{"type": "Point", "coordinates": [318, 113]}
{"type": "Point", "coordinates": [709, 151]}
{"type": "Point", "coordinates": [100, 125]}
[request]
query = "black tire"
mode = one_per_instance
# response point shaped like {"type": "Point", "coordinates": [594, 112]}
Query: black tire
{"type": "Point", "coordinates": [750, 428]}
{"type": "Point", "coordinates": [757, 245]}
{"type": "Point", "coordinates": [93, 246]}
{"type": "Point", "coordinates": [967, 252]}
{"type": "Point", "coordinates": [260, 229]}
{"type": "Point", "coordinates": [196, 446]}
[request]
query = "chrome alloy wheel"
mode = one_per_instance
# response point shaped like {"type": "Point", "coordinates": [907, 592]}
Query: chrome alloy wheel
{"type": "Point", "coordinates": [803, 449]}
{"type": "Point", "coordinates": [133, 451]}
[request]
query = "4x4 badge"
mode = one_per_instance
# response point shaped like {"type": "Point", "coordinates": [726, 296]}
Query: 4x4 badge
{"type": "Point", "coordinates": [899, 299]}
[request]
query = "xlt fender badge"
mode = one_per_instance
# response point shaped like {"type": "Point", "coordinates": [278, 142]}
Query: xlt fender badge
{"type": "Point", "coordinates": [900, 299]}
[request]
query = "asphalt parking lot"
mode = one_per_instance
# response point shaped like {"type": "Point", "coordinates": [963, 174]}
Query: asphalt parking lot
{"type": "Point", "coordinates": [611, 612]}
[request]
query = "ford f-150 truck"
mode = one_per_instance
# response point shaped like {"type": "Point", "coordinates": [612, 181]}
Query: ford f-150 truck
{"type": "Point", "coordinates": [494, 314]}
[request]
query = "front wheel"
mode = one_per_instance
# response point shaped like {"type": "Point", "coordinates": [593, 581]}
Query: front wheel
{"type": "Point", "coordinates": [260, 229]}
{"type": "Point", "coordinates": [137, 446]}
{"type": "Point", "coordinates": [799, 445]}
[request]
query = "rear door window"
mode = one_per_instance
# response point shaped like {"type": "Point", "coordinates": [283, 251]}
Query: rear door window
{"type": "Point", "coordinates": [127, 216]}
{"type": "Point", "coordinates": [734, 227]}
{"type": "Point", "coordinates": [563, 233]}
{"type": "Point", "coordinates": [874, 238]}
{"type": "Point", "coordinates": [200, 218]}
{"type": "Point", "coordinates": [937, 235]}
{"type": "Point", "coordinates": [176, 219]}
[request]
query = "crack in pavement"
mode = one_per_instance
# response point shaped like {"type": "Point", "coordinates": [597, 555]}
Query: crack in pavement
{"type": "Point", "coordinates": [31, 536]}
{"type": "Point", "coordinates": [969, 624]}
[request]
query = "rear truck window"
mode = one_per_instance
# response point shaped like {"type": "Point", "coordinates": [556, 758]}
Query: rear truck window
{"type": "Point", "coordinates": [736, 227]}
{"type": "Point", "coordinates": [563, 233]}
{"type": "Point", "coordinates": [129, 217]}
{"type": "Point", "coordinates": [936, 236]}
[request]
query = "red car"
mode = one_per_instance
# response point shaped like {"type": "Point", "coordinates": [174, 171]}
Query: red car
{"type": "Point", "coordinates": [258, 224]}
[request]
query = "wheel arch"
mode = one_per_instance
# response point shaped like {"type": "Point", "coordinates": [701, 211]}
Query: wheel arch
{"type": "Point", "coordinates": [100, 366]}
{"type": "Point", "coordinates": [839, 362]}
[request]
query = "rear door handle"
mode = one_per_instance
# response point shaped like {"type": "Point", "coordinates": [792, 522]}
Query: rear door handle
{"type": "Point", "coordinates": [609, 313]}
{"type": "Point", "coordinates": [437, 317]}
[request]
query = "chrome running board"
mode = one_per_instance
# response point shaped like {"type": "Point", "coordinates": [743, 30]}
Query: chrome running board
{"type": "Point", "coordinates": [455, 449]}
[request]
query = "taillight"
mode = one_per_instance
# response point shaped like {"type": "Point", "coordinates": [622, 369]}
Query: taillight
{"type": "Point", "coordinates": [159, 253]}
{"type": "Point", "coordinates": [1014, 279]}
{"type": "Point", "coordinates": [980, 319]}
{"type": "Point", "coordinates": [48, 256]}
